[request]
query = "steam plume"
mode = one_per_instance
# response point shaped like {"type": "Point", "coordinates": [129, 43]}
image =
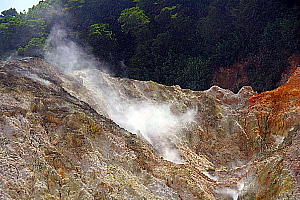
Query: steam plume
{"type": "Point", "coordinates": [152, 121]}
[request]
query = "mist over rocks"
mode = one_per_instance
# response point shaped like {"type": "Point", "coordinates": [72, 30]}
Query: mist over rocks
{"type": "Point", "coordinates": [69, 130]}
{"type": "Point", "coordinates": [58, 140]}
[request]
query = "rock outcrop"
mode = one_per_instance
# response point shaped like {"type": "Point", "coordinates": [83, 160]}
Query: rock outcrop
{"type": "Point", "coordinates": [235, 76]}
{"type": "Point", "coordinates": [72, 135]}
{"type": "Point", "coordinates": [232, 77]}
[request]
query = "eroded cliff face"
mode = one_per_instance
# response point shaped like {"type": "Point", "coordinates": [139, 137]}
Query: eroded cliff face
{"type": "Point", "coordinates": [82, 134]}
{"type": "Point", "coordinates": [235, 76]}
{"type": "Point", "coordinates": [232, 77]}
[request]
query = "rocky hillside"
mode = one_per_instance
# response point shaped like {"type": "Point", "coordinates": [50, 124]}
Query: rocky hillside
{"type": "Point", "coordinates": [81, 134]}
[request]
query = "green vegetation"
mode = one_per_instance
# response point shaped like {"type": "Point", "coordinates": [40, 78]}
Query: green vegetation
{"type": "Point", "coordinates": [169, 41]}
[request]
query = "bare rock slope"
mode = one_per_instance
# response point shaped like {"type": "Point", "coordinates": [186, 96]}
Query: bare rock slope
{"type": "Point", "coordinates": [82, 134]}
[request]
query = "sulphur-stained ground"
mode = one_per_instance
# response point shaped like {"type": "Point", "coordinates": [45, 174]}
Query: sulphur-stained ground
{"type": "Point", "coordinates": [82, 134]}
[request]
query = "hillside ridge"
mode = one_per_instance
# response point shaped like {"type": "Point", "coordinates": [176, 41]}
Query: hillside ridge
{"type": "Point", "coordinates": [81, 134]}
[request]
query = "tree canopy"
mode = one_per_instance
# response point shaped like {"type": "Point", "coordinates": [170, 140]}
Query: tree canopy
{"type": "Point", "coordinates": [179, 42]}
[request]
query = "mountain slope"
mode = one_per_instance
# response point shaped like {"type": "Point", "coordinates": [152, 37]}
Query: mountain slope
{"type": "Point", "coordinates": [81, 134]}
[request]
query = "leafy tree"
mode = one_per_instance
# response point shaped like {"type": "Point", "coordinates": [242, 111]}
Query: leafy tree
{"type": "Point", "coordinates": [282, 35]}
{"type": "Point", "coordinates": [103, 40]}
{"type": "Point", "coordinates": [197, 74]}
{"type": "Point", "coordinates": [132, 19]}
{"type": "Point", "coordinates": [11, 12]}
{"type": "Point", "coordinates": [17, 29]}
{"type": "Point", "coordinates": [10, 28]}
{"type": "Point", "coordinates": [264, 70]}
{"type": "Point", "coordinates": [170, 41]}
{"type": "Point", "coordinates": [34, 48]}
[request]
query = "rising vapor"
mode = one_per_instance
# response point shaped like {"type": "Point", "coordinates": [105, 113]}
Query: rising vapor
{"type": "Point", "coordinates": [152, 121]}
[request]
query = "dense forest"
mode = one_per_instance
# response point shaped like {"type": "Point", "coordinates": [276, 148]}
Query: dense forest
{"type": "Point", "coordinates": [172, 42]}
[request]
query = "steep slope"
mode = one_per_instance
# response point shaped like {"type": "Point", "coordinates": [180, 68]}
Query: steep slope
{"type": "Point", "coordinates": [81, 134]}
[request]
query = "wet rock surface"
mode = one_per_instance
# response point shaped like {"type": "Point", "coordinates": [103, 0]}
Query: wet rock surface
{"type": "Point", "coordinates": [59, 141]}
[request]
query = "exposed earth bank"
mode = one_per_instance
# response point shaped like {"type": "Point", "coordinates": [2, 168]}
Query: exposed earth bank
{"type": "Point", "coordinates": [62, 137]}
